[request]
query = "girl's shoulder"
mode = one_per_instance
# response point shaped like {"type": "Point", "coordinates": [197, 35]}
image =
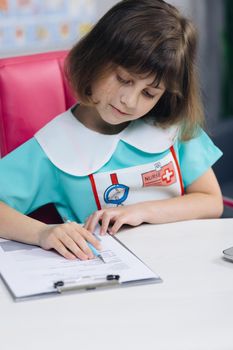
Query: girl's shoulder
{"type": "Point", "coordinates": [146, 136]}
{"type": "Point", "coordinates": [196, 156]}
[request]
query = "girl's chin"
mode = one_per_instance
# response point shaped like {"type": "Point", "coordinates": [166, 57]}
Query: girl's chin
{"type": "Point", "coordinates": [116, 122]}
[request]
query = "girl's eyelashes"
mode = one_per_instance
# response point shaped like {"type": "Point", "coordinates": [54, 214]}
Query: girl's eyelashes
{"type": "Point", "coordinates": [122, 80]}
{"type": "Point", "coordinates": [147, 94]}
{"type": "Point", "coordinates": [127, 81]}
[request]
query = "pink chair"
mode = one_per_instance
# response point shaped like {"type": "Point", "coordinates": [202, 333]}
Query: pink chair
{"type": "Point", "coordinates": [33, 90]}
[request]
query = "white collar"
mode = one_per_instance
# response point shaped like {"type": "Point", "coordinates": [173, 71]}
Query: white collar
{"type": "Point", "coordinates": [79, 151]}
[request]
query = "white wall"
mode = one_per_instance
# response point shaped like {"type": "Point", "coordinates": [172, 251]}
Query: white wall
{"type": "Point", "coordinates": [183, 5]}
{"type": "Point", "coordinates": [104, 6]}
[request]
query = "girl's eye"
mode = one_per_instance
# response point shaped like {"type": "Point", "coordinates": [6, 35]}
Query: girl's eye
{"type": "Point", "coordinates": [147, 94]}
{"type": "Point", "coordinates": [121, 80]}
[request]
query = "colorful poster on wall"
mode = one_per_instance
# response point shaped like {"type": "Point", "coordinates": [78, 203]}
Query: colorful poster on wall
{"type": "Point", "coordinates": [34, 25]}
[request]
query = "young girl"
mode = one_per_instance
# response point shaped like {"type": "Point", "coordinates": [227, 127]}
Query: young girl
{"type": "Point", "coordinates": [131, 151]}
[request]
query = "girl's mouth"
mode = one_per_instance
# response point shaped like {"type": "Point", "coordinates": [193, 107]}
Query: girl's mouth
{"type": "Point", "coordinates": [119, 111]}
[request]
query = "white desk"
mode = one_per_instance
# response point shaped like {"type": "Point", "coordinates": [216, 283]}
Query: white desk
{"type": "Point", "coordinates": [191, 310]}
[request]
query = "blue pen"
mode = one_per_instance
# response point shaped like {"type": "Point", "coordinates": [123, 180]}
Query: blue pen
{"type": "Point", "coordinates": [95, 252]}
{"type": "Point", "coordinates": [93, 249]}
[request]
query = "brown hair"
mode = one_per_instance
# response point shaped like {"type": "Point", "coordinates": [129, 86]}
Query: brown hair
{"type": "Point", "coordinates": [146, 36]}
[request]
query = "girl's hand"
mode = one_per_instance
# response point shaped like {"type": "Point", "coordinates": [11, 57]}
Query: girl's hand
{"type": "Point", "coordinates": [113, 218]}
{"type": "Point", "coordinates": [69, 239]}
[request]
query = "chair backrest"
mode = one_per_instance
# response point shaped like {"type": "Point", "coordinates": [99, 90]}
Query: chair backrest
{"type": "Point", "coordinates": [33, 90]}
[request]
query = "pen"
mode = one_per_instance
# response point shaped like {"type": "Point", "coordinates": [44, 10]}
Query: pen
{"type": "Point", "coordinates": [93, 249]}
{"type": "Point", "coordinates": [95, 252]}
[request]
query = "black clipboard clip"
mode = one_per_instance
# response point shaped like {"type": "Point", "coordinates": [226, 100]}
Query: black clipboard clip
{"type": "Point", "coordinates": [87, 283]}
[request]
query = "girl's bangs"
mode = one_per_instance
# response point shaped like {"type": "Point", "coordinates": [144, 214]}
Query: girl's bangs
{"type": "Point", "coordinates": [138, 62]}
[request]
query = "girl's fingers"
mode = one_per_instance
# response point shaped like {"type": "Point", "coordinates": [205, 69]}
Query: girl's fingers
{"type": "Point", "coordinates": [93, 221]}
{"type": "Point", "coordinates": [82, 244]}
{"type": "Point", "coordinates": [81, 235]}
{"type": "Point", "coordinates": [92, 239]}
{"type": "Point", "coordinates": [116, 226]}
{"type": "Point", "coordinates": [87, 223]}
{"type": "Point", "coordinates": [104, 215]}
{"type": "Point", "coordinates": [89, 236]}
{"type": "Point", "coordinates": [76, 248]}
{"type": "Point", "coordinates": [106, 218]}
{"type": "Point", "coordinates": [61, 249]}
{"type": "Point", "coordinates": [71, 241]}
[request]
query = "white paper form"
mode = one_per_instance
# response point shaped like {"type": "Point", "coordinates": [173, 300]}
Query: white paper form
{"type": "Point", "coordinates": [29, 270]}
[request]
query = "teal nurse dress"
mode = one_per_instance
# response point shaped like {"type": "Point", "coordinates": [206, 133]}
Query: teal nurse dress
{"type": "Point", "coordinates": [81, 171]}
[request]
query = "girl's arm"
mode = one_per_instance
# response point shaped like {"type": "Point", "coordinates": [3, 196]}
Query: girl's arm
{"type": "Point", "coordinates": [69, 239]}
{"type": "Point", "coordinates": [18, 227]}
{"type": "Point", "coordinates": [203, 199]}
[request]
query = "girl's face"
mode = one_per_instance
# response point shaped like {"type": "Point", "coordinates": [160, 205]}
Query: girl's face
{"type": "Point", "coordinates": [122, 96]}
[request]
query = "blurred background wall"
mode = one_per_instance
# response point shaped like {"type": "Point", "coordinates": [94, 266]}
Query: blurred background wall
{"type": "Point", "coordinates": [41, 25]}
{"type": "Point", "coordinates": [28, 26]}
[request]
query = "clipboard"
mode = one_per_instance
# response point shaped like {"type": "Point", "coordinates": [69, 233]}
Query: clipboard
{"type": "Point", "coordinates": [31, 272]}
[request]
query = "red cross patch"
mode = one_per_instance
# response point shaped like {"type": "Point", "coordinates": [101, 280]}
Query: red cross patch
{"type": "Point", "coordinates": [165, 176]}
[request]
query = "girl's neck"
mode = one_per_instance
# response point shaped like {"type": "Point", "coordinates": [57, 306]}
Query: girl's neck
{"type": "Point", "coordinates": [91, 119]}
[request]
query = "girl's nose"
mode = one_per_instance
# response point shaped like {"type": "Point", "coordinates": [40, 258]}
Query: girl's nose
{"type": "Point", "coordinates": [129, 99]}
